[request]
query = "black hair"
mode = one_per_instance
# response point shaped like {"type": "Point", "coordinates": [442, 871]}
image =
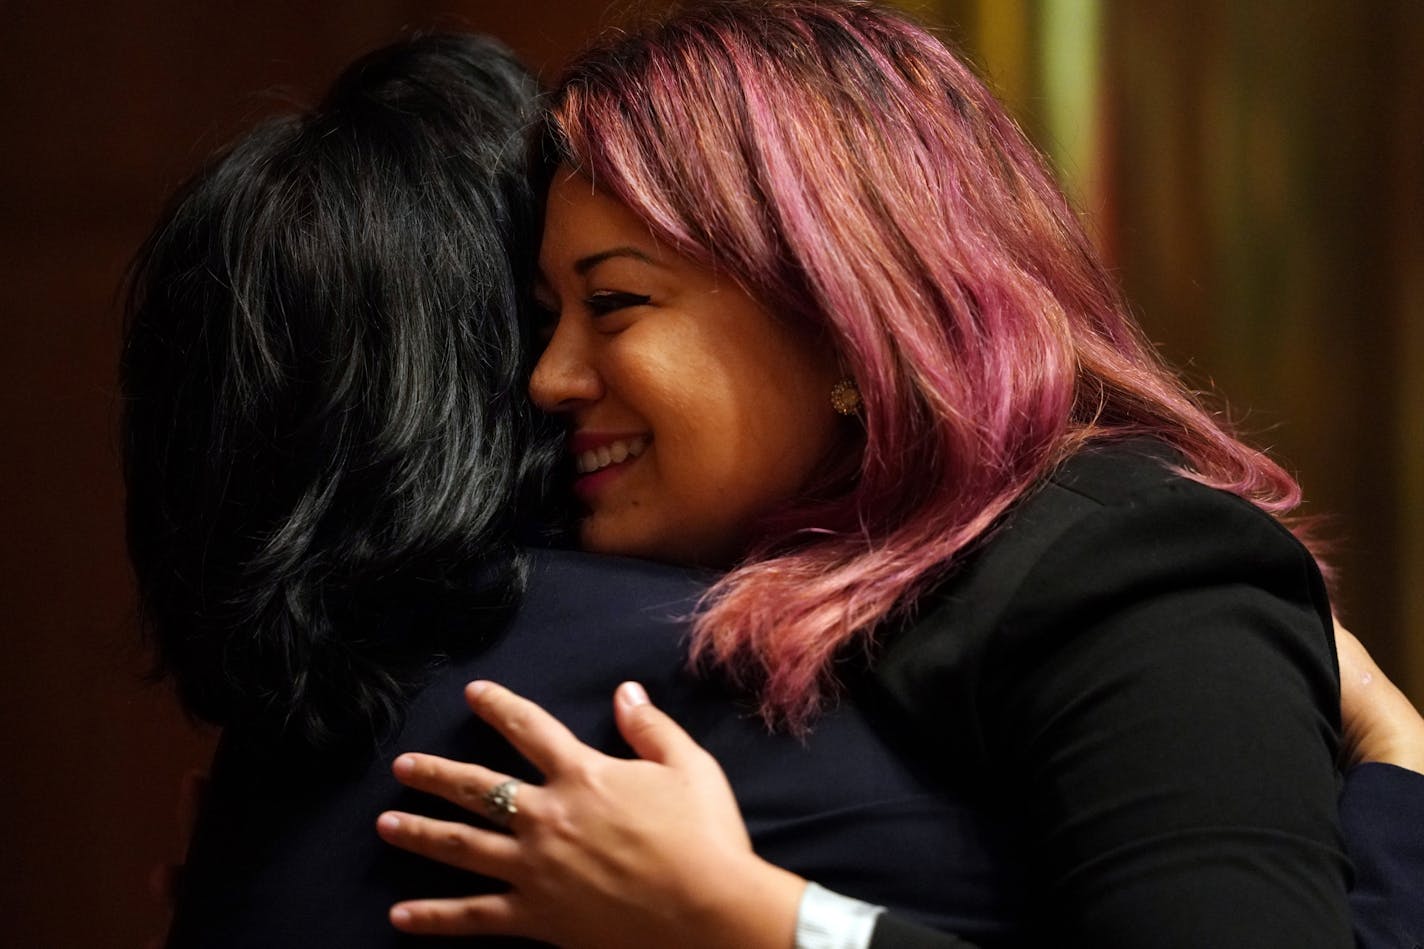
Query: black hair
{"type": "Point", "coordinates": [326, 424]}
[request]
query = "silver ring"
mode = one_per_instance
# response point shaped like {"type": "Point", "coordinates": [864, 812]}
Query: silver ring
{"type": "Point", "coordinates": [499, 802]}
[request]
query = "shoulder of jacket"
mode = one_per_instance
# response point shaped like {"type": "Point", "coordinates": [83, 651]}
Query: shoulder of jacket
{"type": "Point", "coordinates": [1114, 473]}
{"type": "Point", "coordinates": [1098, 505]}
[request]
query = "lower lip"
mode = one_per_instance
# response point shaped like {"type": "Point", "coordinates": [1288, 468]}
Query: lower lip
{"type": "Point", "coordinates": [589, 485]}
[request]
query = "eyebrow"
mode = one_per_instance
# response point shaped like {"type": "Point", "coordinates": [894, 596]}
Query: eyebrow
{"type": "Point", "coordinates": [584, 264]}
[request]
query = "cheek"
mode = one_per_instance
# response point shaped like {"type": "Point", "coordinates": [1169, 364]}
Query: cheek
{"type": "Point", "coordinates": [789, 387]}
{"type": "Point", "coordinates": [751, 440]}
{"type": "Point", "coordinates": [738, 429]}
{"type": "Point", "coordinates": [795, 433]}
{"type": "Point", "coordinates": [665, 390]}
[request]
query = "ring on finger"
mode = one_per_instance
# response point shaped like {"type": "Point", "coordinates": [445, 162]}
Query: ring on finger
{"type": "Point", "coordinates": [500, 801]}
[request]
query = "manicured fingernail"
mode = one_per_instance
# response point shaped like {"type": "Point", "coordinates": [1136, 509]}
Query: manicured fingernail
{"type": "Point", "coordinates": [388, 822]}
{"type": "Point", "coordinates": [631, 694]}
{"type": "Point", "coordinates": [403, 766]}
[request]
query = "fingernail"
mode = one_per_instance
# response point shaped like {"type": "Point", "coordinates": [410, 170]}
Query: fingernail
{"type": "Point", "coordinates": [388, 822]}
{"type": "Point", "coordinates": [631, 694]}
{"type": "Point", "coordinates": [400, 915]}
{"type": "Point", "coordinates": [477, 688]}
{"type": "Point", "coordinates": [403, 766]}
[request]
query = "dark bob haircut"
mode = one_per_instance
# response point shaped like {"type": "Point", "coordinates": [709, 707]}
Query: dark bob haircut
{"type": "Point", "coordinates": [326, 427]}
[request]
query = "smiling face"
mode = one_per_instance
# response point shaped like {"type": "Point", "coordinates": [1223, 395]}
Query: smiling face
{"type": "Point", "coordinates": [693, 410]}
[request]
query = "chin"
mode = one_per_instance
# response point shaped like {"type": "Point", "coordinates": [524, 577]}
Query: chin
{"type": "Point", "coordinates": [597, 538]}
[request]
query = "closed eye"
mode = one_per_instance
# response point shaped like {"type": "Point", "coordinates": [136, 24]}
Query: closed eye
{"type": "Point", "coordinates": [610, 301]}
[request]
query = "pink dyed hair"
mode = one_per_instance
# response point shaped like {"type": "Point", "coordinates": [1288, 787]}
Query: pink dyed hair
{"type": "Point", "coordinates": [851, 172]}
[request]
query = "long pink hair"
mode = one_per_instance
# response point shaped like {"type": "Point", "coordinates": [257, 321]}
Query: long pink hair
{"type": "Point", "coordinates": [854, 175]}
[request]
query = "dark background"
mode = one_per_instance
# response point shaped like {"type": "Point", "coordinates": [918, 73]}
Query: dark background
{"type": "Point", "coordinates": [1255, 173]}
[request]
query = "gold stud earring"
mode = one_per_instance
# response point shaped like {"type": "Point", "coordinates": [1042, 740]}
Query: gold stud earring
{"type": "Point", "coordinates": [845, 397]}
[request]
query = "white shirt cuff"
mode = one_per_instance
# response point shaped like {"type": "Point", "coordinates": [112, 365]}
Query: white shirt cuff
{"type": "Point", "coordinates": [827, 920]}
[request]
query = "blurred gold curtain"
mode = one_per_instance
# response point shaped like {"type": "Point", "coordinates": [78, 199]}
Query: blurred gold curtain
{"type": "Point", "coordinates": [1256, 172]}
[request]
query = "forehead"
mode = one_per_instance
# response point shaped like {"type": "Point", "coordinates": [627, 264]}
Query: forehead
{"type": "Point", "coordinates": [581, 221]}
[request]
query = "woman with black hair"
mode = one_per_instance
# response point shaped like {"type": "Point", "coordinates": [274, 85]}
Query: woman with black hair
{"type": "Point", "coordinates": [325, 421]}
{"type": "Point", "coordinates": [330, 458]}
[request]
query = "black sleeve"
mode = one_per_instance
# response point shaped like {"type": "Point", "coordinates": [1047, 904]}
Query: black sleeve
{"type": "Point", "coordinates": [1161, 701]}
{"type": "Point", "coordinates": [1382, 812]}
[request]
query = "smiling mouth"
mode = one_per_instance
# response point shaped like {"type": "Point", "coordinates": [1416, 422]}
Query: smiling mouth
{"type": "Point", "coordinates": [596, 459]}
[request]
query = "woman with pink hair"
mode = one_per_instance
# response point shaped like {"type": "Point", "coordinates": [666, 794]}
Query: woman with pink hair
{"type": "Point", "coordinates": [820, 318]}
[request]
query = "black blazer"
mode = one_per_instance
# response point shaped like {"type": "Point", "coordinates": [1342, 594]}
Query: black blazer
{"type": "Point", "coordinates": [1142, 670]}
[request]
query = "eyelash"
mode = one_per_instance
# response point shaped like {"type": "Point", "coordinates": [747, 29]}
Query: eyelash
{"type": "Point", "coordinates": [604, 303]}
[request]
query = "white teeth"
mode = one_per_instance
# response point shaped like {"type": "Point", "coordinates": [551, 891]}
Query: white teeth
{"type": "Point", "coordinates": [601, 457]}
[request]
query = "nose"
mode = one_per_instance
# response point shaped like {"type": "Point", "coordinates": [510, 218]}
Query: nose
{"type": "Point", "coordinates": [565, 376]}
